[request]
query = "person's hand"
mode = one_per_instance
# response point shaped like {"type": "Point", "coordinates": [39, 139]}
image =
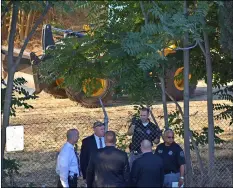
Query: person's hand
{"type": "Point", "coordinates": [181, 182]}
{"type": "Point", "coordinates": [156, 141]}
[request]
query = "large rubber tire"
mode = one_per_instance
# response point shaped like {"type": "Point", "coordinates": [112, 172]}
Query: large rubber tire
{"type": "Point", "coordinates": [171, 88]}
{"type": "Point", "coordinates": [56, 92]}
{"type": "Point", "coordinates": [90, 102]}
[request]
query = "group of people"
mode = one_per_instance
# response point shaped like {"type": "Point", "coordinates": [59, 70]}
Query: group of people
{"type": "Point", "coordinates": [101, 164]}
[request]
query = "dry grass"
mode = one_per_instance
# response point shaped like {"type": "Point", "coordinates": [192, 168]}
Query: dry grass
{"type": "Point", "coordinates": [45, 127]}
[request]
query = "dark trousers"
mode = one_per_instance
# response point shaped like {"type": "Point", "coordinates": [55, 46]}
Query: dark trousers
{"type": "Point", "coordinates": [72, 181]}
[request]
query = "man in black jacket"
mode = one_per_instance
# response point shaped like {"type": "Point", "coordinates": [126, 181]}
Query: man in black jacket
{"type": "Point", "coordinates": [109, 166]}
{"type": "Point", "coordinates": [147, 171]}
{"type": "Point", "coordinates": [91, 144]}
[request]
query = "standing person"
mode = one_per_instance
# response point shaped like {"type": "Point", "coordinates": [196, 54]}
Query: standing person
{"type": "Point", "coordinates": [173, 159]}
{"type": "Point", "coordinates": [142, 129]}
{"type": "Point", "coordinates": [67, 162]}
{"type": "Point", "coordinates": [109, 166]}
{"type": "Point", "coordinates": [91, 144]}
{"type": "Point", "coordinates": [147, 171]}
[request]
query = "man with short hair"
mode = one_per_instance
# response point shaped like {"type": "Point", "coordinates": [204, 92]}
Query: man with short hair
{"type": "Point", "coordinates": [91, 144]}
{"type": "Point", "coordinates": [109, 166]}
{"type": "Point", "coordinates": [142, 129]}
{"type": "Point", "coordinates": [67, 162]}
{"type": "Point", "coordinates": [147, 171]}
{"type": "Point", "coordinates": [173, 159]}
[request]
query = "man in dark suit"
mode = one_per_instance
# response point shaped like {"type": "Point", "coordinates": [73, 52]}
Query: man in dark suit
{"type": "Point", "coordinates": [91, 144]}
{"type": "Point", "coordinates": [109, 166]}
{"type": "Point", "coordinates": [147, 171]}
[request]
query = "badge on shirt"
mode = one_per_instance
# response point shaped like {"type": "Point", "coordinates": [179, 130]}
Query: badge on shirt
{"type": "Point", "coordinates": [160, 151]}
{"type": "Point", "coordinates": [170, 153]}
{"type": "Point", "coordinates": [148, 131]}
{"type": "Point", "coordinates": [182, 154]}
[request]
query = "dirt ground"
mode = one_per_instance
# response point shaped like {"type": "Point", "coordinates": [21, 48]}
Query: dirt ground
{"type": "Point", "coordinates": [46, 124]}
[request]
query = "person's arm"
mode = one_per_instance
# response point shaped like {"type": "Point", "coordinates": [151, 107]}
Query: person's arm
{"type": "Point", "coordinates": [156, 140]}
{"type": "Point", "coordinates": [126, 170]}
{"type": "Point", "coordinates": [181, 162]}
{"type": "Point", "coordinates": [131, 130]}
{"type": "Point", "coordinates": [64, 161]}
{"type": "Point", "coordinates": [132, 126]}
{"type": "Point", "coordinates": [134, 174]}
{"type": "Point", "coordinates": [181, 179]}
{"type": "Point", "coordinates": [90, 172]}
{"type": "Point", "coordinates": [84, 158]}
{"type": "Point", "coordinates": [157, 135]}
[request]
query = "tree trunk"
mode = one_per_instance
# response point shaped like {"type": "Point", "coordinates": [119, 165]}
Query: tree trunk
{"type": "Point", "coordinates": [4, 28]}
{"type": "Point", "coordinates": [191, 136]}
{"type": "Point", "coordinates": [21, 34]}
{"type": "Point", "coordinates": [161, 78]}
{"type": "Point", "coordinates": [186, 106]}
{"type": "Point", "coordinates": [11, 71]}
{"type": "Point", "coordinates": [209, 106]}
{"type": "Point", "coordinates": [28, 24]}
{"type": "Point", "coordinates": [9, 28]}
{"type": "Point", "coordinates": [12, 66]}
{"type": "Point", "coordinates": [105, 116]}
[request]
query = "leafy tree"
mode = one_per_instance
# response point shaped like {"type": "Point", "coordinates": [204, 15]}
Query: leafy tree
{"type": "Point", "coordinates": [19, 96]}
{"type": "Point", "coordinates": [15, 7]}
{"type": "Point", "coordinates": [226, 26]}
{"type": "Point", "coordinates": [129, 42]}
{"type": "Point", "coordinates": [226, 110]}
{"type": "Point", "coordinates": [12, 66]}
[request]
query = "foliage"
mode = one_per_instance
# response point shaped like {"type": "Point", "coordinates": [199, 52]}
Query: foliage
{"type": "Point", "coordinates": [226, 110]}
{"type": "Point", "coordinates": [201, 138]}
{"type": "Point", "coordinates": [19, 96]}
{"type": "Point", "coordinates": [176, 124]}
{"type": "Point", "coordinates": [226, 26]}
{"type": "Point", "coordinates": [123, 141]}
{"type": "Point", "coordinates": [10, 169]}
{"type": "Point", "coordinates": [129, 48]}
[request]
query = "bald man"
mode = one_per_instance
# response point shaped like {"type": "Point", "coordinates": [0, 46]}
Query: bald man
{"type": "Point", "coordinates": [147, 171]}
{"type": "Point", "coordinates": [109, 166]}
{"type": "Point", "coordinates": [67, 161]}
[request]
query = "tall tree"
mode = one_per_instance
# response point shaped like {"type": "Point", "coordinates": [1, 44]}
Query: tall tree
{"type": "Point", "coordinates": [12, 66]}
{"type": "Point", "coordinates": [186, 103]}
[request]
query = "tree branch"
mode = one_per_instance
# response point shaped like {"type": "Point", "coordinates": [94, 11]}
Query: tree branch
{"type": "Point", "coordinates": [190, 134]}
{"type": "Point", "coordinates": [144, 13]}
{"type": "Point", "coordinates": [38, 22]}
{"type": "Point", "coordinates": [105, 115]}
{"type": "Point", "coordinates": [12, 35]}
{"type": "Point", "coordinates": [161, 78]}
{"type": "Point", "coordinates": [202, 48]}
{"type": "Point", "coordinates": [188, 48]}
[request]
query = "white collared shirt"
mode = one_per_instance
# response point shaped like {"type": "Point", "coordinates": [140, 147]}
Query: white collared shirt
{"type": "Point", "coordinates": [67, 163]}
{"type": "Point", "coordinates": [98, 141]}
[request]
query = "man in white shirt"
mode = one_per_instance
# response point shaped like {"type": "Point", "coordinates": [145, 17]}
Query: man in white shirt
{"type": "Point", "coordinates": [67, 161]}
{"type": "Point", "coordinates": [91, 144]}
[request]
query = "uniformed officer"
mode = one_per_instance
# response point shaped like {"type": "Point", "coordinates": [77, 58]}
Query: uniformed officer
{"type": "Point", "coordinates": [173, 159]}
{"type": "Point", "coordinates": [67, 162]}
{"type": "Point", "coordinates": [142, 129]}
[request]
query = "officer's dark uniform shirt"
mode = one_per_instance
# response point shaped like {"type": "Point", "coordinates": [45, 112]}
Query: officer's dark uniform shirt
{"type": "Point", "coordinates": [173, 157]}
{"type": "Point", "coordinates": [141, 132]}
